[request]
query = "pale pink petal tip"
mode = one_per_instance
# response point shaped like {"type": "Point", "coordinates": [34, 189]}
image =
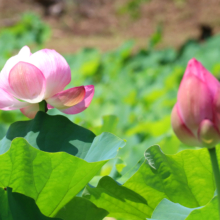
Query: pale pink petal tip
{"type": "Point", "coordinates": [67, 98]}
{"type": "Point", "coordinates": [84, 103]}
{"type": "Point", "coordinates": [30, 111]}
{"type": "Point", "coordinates": [196, 68]}
{"type": "Point", "coordinates": [27, 82]}
{"type": "Point", "coordinates": [25, 52]}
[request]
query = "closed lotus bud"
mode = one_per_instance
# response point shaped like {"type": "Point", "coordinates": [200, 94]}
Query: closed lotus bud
{"type": "Point", "coordinates": [195, 117]}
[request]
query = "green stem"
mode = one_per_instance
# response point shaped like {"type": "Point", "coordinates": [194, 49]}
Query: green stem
{"type": "Point", "coordinates": [215, 167]}
{"type": "Point", "coordinates": [43, 106]}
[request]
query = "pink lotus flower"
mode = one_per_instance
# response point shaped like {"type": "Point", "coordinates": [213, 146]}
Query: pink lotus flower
{"type": "Point", "coordinates": [27, 79]}
{"type": "Point", "coordinates": [196, 116]}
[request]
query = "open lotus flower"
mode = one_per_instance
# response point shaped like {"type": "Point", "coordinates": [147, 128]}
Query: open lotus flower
{"type": "Point", "coordinates": [27, 79]}
{"type": "Point", "coordinates": [196, 116]}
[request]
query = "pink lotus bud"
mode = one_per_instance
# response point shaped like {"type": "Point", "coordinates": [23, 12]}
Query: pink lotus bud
{"type": "Point", "coordinates": [195, 117]}
{"type": "Point", "coordinates": [27, 79]}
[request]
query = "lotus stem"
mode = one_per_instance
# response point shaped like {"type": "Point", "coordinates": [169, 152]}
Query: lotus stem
{"type": "Point", "coordinates": [215, 167]}
{"type": "Point", "coordinates": [43, 106]}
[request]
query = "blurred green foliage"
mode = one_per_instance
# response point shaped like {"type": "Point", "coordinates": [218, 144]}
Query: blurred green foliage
{"type": "Point", "coordinates": [133, 7]}
{"type": "Point", "coordinates": [140, 89]}
{"type": "Point", "coordinates": [30, 30]}
{"type": "Point", "coordinates": [134, 91]}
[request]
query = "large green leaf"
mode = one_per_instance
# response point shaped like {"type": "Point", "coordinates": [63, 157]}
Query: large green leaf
{"type": "Point", "coordinates": [51, 179]}
{"type": "Point", "coordinates": [119, 201]}
{"type": "Point", "coordinates": [185, 178]}
{"type": "Point", "coordinates": [51, 134]}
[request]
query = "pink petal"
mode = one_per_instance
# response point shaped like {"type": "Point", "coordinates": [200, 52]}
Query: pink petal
{"type": "Point", "coordinates": [67, 98]}
{"type": "Point", "coordinates": [180, 129]}
{"type": "Point", "coordinates": [54, 68]}
{"type": "Point", "coordinates": [208, 134]}
{"type": "Point", "coordinates": [8, 102]}
{"type": "Point", "coordinates": [23, 55]}
{"type": "Point", "coordinates": [195, 102]}
{"type": "Point", "coordinates": [194, 67]}
{"type": "Point", "coordinates": [31, 110]}
{"type": "Point", "coordinates": [216, 108]}
{"type": "Point", "coordinates": [27, 82]}
{"type": "Point", "coordinates": [83, 104]}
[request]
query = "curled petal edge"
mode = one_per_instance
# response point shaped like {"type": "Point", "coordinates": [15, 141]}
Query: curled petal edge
{"type": "Point", "coordinates": [67, 98]}
{"type": "Point", "coordinates": [84, 104]}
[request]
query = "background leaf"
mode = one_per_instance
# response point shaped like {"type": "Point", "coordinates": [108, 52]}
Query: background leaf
{"type": "Point", "coordinates": [51, 134]}
{"type": "Point", "coordinates": [109, 124]}
{"type": "Point", "coordinates": [57, 133]}
{"type": "Point", "coordinates": [104, 147]}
